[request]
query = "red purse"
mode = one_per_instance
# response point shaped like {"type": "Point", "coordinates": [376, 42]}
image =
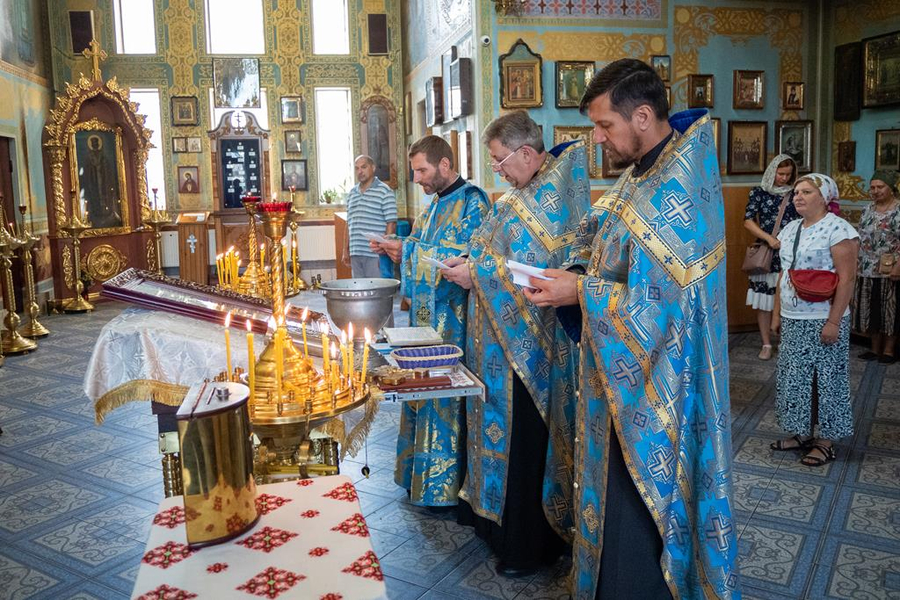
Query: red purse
{"type": "Point", "coordinates": [812, 285]}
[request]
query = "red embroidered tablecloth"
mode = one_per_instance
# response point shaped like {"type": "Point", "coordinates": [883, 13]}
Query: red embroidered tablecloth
{"type": "Point", "coordinates": [311, 542]}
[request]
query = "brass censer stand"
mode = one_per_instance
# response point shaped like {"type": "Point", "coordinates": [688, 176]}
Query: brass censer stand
{"type": "Point", "coordinates": [12, 340]}
{"type": "Point", "coordinates": [33, 329]}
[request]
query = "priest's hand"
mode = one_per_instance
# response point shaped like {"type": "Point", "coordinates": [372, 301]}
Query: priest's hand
{"type": "Point", "coordinates": [458, 273]}
{"type": "Point", "coordinates": [375, 247]}
{"type": "Point", "coordinates": [393, 248]}
{"type": "Point", "coordinates": [561, 290]}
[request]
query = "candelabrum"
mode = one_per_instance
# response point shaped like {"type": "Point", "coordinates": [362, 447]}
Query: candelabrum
{"type": "Point", "coordinates": [33, 329]}
{"type": "Point", "coordinates": [254, 281]}
{"type": "Point", "coordinates": [157, 220]}
{"type": "Point", "coordinates": [12, 340]}
{"type": "Point", "coordinates": [73, 229]}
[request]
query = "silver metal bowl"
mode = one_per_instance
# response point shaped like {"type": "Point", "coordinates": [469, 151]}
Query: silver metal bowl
{"type": "Point", "coordinates": [367, 303]}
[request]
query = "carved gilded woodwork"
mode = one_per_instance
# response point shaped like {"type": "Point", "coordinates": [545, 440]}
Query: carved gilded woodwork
{"type": "Point", "coordinates": [68, 267]}
{"type": "Point", "coordinates": [104, 262]}
{"type": "Point", "coordinates": [150, 248]}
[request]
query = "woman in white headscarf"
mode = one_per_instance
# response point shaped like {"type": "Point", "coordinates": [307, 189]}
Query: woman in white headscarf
{"type": "Point", "coordinates": [771, 198]}
{"type": "Point", "coordinates": [813, 392]}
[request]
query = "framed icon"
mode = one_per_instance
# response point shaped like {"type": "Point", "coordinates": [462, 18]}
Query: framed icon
{"type": "Point", "coordinates": [520, 77]}
{"type": "Point", "coordinates": [193, 144]}
{"type": "Point", "coordinates": [795, 138]}
{"type": "Point", "coordinates": [887, 149]}
{"type": "Point", "coordinates": [291, 109]}
{"type": "Point", "coordinates": [749, 89]}
{"type": "Point", "coordinates": [292, 141]}
{"type": "Point", "coordinates": [184, 111]}
{"type": "Point", "coordinates": [179, 144]}
{"type": "Point", "coordinates": [747, 147]}
{"type": "Point", "coordinates": [293, 175]}
{"type": "Point", "coordinates": [571, 79]}
{"type": "Point", "coordinates": [846, 157]}
{"type": "Point", "coordinates": [570, 134]}
{"type": "Point", "coordinates": [700, 91]}
{"type": "Point", "coordinates": [236, 82]}
{"type": "Point", "coordinates": [881, 59]}
{"type": "Point", "coordinates": [188, 180]}
{"type": "Point", "coordinates": [792, 95]}
{"type": "Point", "coordinates": [662, 64]}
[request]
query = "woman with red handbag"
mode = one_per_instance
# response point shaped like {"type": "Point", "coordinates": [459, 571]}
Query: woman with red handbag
{"type": "Point", "coordinates": [769, 208]}
{"type": "Point", "coordinates": [818, 254]}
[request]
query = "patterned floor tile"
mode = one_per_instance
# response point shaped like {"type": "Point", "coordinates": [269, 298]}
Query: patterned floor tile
{"type": "Point", "coordinates": [11, 474]}
{"type": "Point", "coordinates": [888, 409]}
{"type": "Point", "coordinates": [476, 578]}
{"type": "Point", "coordinates": [871, 515]}
{"type": "Point", "coordinates": [78, 447]}
{"type": "Point", "coordinates": [61, 394]}
{"type": "Point", "coordinates": [880, 470]}
{"type": "Point", "coordinates": [380, 483]}
{"type": "Point", "coordinates": [408, 521]}
{"type": "Point", "coordinates": [25, 576]}
{"type": "Point", "coordinates": [885, 436]}
{"type": "Point", "coordinates": [42, 502]}
{"type": "Point", "coordinates": [890, 385]}
{"type": "Point", "coordinates": [90, 590]}
{"type": "Point", "coordinates": [854, 571]}
{"type": "Point", "coordinates": [426, 559]}
{"type": "Point", "coordinates": [775, 559]}
{"type": "Point", "coordinates": [403, 590]}
{"type": "Point", "coordinates": [14, 387]}
{"type": "Point", "coordinates": [89, 544]}
{"type": "Point", "coordinates": [777, 497]}
{"type": "Point", "coordinates": [128, 517]}
{"type": "Point", "coordinates": [33, 428]}
{"type": "Point", "coordinates": [125, 473]}
{"type": "Point", "coordinates": [8, 413]}
{"type": "Point", "coordinates": [384, 543]}
{"type": "Point", "coordinates": [549, 584]}
{"type": "Point", "coordinates": [371, 503]}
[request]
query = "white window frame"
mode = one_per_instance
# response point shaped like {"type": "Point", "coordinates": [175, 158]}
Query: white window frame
{"type": "Point", "coordinates": [323, 44]}
{"type": "Point", "coordinates": [325, 128]}
{"type": "Point", "coordinates": [156, 162]}
{"type": "Point", "coordinates": [239, 24]}
{"type": "Point", "coordinates": [119, 25]}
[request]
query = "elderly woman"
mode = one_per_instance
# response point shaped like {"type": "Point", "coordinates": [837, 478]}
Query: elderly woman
{"type": "Point", "coordinates": [768, 200]}
{"type": "Point", "coordinates": [875, 302]}
{"type": "Point", "coordinates": [813, 383]}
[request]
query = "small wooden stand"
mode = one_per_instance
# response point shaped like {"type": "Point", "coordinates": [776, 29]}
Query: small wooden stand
{"type": "Point", "coordinates": [193, 246]}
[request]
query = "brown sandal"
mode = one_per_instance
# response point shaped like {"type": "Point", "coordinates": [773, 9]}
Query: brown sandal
{"type": "Point", "coordinates": [782, 445]}
{"type": "Point", "coordinates": [814, 461]}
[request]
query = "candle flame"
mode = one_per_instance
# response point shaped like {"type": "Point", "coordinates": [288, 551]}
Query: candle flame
{"type": "Point", "coordinates": [304, 315]}
{"type": "Point", "coordinates": [248, 326]}
{"type": "Point", "coordinates": [333, 352]}
{"type": "Point", "coordinates": [367, 334]}
{"type": "Point", "coordinates": [350, 331]}
{"type": "Point", "coordinates": [343, 337]}
{"type": "Point", "coordinates": [271, 323]}
{"type": "Point", "coordinates": [228, 320]}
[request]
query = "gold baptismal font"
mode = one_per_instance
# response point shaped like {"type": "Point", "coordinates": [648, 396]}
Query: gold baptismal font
{"type": "Point", "coordinates": [288, 396]}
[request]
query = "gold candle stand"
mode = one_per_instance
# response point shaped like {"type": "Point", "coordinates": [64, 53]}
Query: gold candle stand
{"type": "Point", "coordinates": [33, 329]}
{"type": "Point", "coordinates": [73, 229]}
{"type": "Point", "coordinates": [254, 281]}
{"type": "Point", "coordinates": [11, 340]}
{"type": "Point", "coordinates": [158, 219]}
{"type": "Point", "coordinates": [297, 283]}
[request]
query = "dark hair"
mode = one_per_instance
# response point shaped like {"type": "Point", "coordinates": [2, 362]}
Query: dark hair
{"type": "Point", "coordinates": [514, 130]}
{"type": "Point", "coordinates": [789, 162]}
{"type": "Point", "coordinates": [434, 148]}
{"type": "Point", "coordinates": [629, 83]}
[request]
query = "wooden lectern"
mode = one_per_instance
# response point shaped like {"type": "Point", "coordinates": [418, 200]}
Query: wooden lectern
{"type": "Point", "coordinates": [341, 233]}
{"type": "Point", "coordinates": [193, 247]}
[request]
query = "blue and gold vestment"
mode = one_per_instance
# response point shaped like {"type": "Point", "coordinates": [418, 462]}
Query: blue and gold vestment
{"type": "Point", "coordinates": [654, 365]}
{"type": "Point", "coordinates": [431, 444]}
{"type": "Point", "coordinates": [535, 225]}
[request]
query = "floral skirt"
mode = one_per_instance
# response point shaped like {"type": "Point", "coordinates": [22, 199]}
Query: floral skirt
{"type": "Point", "coordinates": [761, 291]}
{"type": "Point", "coordinates": [875, 306]}
{"type": "Point", "coordinates": [803, 356]}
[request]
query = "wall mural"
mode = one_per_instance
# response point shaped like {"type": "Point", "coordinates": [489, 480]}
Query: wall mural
{"type": "Point", "coordinates": [21, 42]}
{"type": "Point", "coordinates": [602, 9]}
{"type": "Point", "coordinates": [429, 24]}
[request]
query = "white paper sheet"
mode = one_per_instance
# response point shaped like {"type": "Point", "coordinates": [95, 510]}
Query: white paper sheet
{"type": "Point", "coordinates": [521, 272]}
{"type": "Point", "coordinates": [434, 263]}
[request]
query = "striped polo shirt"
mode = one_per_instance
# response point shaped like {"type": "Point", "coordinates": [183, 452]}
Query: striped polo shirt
{"type": "Point", "coordinates": [369, 211]}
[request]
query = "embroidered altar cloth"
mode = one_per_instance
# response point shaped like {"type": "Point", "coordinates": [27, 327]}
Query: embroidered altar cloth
{"type": "Point", "coordinates": [311, 542]}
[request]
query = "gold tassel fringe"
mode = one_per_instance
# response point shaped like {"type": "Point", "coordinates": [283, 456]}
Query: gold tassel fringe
{"type": "Point", "coordinates": [170, 394]}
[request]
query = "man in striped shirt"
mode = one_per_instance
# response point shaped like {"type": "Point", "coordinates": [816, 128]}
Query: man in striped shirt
{"type": "Point", "coordinates": [371, 209]}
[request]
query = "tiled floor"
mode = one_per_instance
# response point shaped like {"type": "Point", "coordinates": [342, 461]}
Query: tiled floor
{"type": "Point", "coordinates": [75, 498]}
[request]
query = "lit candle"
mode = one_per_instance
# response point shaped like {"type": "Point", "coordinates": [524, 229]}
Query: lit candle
{"type": "Point", "coordinates": [365, 363]}
{"type": "Point", "coordinates": [294, 261]}
{"type": "Point", "coordinates": [235, 263]}
{"type": "Point", "coordinates": [335, 379]}
{"type": "Point", "coordinates": [251, 361]}
{"type": "Point", "coordinates": [303, 321]}
{"type": "Point", "coordinates": [262, 256]}
{"type": "Point", "coordinates": [344, 351]}
{"type": "Point", "coordinates": [324, 331]}
{"type": "Point", "coordinates": [228, 345]}
{"type": "Point", "coordinates": [220, 270]}
{"type": "Point", "coordinates": [284, 261]}
{"type": "Point", "coordinates": [350, 351]}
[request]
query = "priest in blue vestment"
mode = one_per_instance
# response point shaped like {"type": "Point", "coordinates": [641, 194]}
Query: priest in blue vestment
{"type": "Point", "coordinates": [431, 443]}
{"type": "Point", "coordinates": [646, 283]}
{"type": "Point", "coordinates": [518, 486]}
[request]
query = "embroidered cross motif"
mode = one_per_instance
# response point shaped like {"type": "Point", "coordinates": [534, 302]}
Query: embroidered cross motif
{"type": "Point", "coordinates": [550, 201]}
{"type": "Point", "coordinates": [677, 530]}
{"type": "Point", "coordinates": [559, 507]}
{"type": "Point", "coordinates": [267, 539]}
{"type": "Point", "coordinates": [720, 530]}
{"type": "Point", "coordinates": [677, 208]}
{"type": "Point", "coordinates": [508, 314]}
{"type": "Point", "coordinates": [192, 242]}
{"type": "Point", "coordinates": [662, 461]}
{"type": "Point", "coordinates": [271, 583]}
{"type": "Point", "coordinates": [623, 371]}
{"type": "Point", "coordinates": [494, 367]}
{"type": "Point", "coordinates": [495, 433]}
{"type": "Point", "coordinates": [493, 496]}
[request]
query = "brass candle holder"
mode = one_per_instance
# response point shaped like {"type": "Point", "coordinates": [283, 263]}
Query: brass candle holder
{"type": "Point", "coordinates": [73, 229]}
{"type": "Point", "coordinates": [11, 340]}
{"type": "Point", "coordinates": [157, 220]}
{"type": "Point", "coordinates": [297, 283]}
{"type": "Point", "coordinates": [254, 281]}
{"type": "Point", "coordinates": [33, 329]}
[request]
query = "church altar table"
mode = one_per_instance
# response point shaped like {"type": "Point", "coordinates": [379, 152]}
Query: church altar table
{"type": "Point", "coordinates": [310, 542]}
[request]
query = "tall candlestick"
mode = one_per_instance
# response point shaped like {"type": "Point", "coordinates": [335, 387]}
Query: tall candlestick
{"type": "Point", "coordinates": [294, 261]}
{"type": "Point", "coordinates": [324, 332]}
{"type": "Point", "coordinates": [236, 263]}
{"type": "Point", "coordinates": [344, 352]}
{"type": "Point", "coordinates": [251, 362]}
{"type": "Point", "coordinates": [228, 346]}
{"type": "Point", "coordinates": [335, 378]}
{"type": "Point", "coordinates": [284, 261]}
{"type": "Point", "coordinates": [220, 270]}
{"type": "Point", "coordinates": [262, 256]}
{"type": "Point", "coordinates": [303, 321]}
{"type": "Point", "coordinates": [362, 378]}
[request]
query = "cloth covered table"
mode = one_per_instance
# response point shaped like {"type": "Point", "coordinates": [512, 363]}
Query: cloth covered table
{"type": "Point", "coordinates": [311, 542]}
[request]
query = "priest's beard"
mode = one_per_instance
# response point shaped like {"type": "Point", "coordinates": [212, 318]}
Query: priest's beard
{"type": "Point", "coordinates": [624, 157]}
